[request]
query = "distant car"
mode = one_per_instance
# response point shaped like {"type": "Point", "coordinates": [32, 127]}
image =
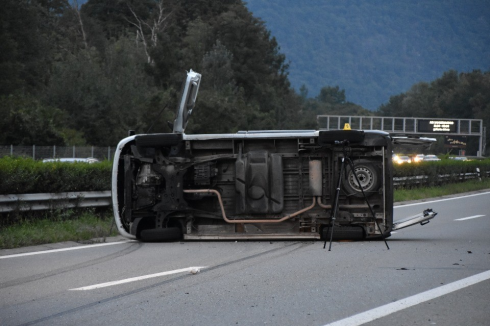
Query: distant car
{"type": "Point", "coordinates": [459, 158]}
{"type": "Point", "coordinates": [404, 159]}
{"type": "Point", "coordinates": [401, 159]}
{"type": "Point", "coordinates": [431, 157]}
{"type": "Point", "coordinates": [72, 160]}
{"type": "Point", "coordinates": [418, 158]}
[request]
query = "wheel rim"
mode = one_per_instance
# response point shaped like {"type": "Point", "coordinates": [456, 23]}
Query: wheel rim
{"type": "Point", "coordinates": [365, 176]}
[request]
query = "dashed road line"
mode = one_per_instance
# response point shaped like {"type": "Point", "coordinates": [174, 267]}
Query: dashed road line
{"type": "Point", "coordinates": [192, 270]}
{"type": "Point", "coordinates": [469, 218]}
{"type": "Point", "coordinates": [62, 249]}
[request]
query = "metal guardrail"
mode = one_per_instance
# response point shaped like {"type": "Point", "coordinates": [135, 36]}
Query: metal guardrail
{"type": "Point", "coordinates": [421, 180]}
{"type": "Point", "coordinates": [53, 201]}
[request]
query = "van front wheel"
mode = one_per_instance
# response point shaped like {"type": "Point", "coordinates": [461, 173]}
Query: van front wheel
{"type": "Point", "coordinates": [160, 235]}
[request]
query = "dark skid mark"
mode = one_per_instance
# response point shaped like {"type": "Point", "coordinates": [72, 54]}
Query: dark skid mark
{"type": "Point", "coordinates": [55, 272]}
{"type": "Point", "coordinates": [152, 286]}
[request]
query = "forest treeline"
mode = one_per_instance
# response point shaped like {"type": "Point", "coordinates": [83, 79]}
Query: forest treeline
{"type": "Point", "coordinates": [454, 95]}
{"type": "Point", "coordinates": [85, 75]}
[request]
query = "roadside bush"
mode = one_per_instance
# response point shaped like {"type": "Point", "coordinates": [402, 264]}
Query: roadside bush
{"type": "Point", "coordinates": [25, 176]}
{"type": "Point", "coordinates": [439, 172]}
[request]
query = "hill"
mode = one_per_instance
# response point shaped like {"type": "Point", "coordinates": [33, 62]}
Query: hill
{"type": "Point", "coordinates": [376, 49]}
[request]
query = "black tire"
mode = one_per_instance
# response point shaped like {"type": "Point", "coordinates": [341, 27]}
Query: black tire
{"type": "Point", "coordinates": [160, 235]}
{"type": "Point", "coordinates": [158, 140]}
{"type": "Point", "coordinates": [369, 177]}
{"type": "Point", "coordinates": [343, 233]}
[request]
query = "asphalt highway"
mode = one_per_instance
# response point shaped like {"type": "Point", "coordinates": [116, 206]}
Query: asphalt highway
{"type": "Point", "coordinates": [436, 274]}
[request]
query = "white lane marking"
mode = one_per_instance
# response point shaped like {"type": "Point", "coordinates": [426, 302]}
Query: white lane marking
{"type": "Point", "coordinates": [468, 218]}
{"type": "Point", "coordinates": [439, 200]}
{"type": "Point", "coordinates": [62, 249]}
{"type": "Point", "coordinates": [192, 270]}
{"type": "Point", "coordinates": [398, 305]}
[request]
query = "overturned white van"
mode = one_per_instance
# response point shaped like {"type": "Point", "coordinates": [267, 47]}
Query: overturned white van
{"type": "Point", "coordinates": [295, 184]}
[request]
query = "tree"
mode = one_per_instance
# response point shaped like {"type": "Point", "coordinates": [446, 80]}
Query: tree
{"type": "Point", "coordinates": [453, 95]}
{"type": "Point", "coordinates": [332, 95]}
{"type": "Point", "coordinates": [217, 68]}
{"type": "Point", "coordinates": [198, 42]}
{"type": "Point", "coordinates": [147, 31]}
{"type": "Point", "coordinates": [25, 121]}
{"type": "Point", "coordinates": [27, 34]}
{"type": "Point", "coordinates": [103, 95]}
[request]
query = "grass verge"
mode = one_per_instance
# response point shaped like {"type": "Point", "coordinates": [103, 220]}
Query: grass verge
{"type": "Point", "coordinates": [32, 232]}
{"type": "Point", "coordinates": [449, 189]}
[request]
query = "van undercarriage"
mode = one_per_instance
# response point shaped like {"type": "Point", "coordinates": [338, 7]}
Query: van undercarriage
{"type": "Point", "coordinates": [303, 184]}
